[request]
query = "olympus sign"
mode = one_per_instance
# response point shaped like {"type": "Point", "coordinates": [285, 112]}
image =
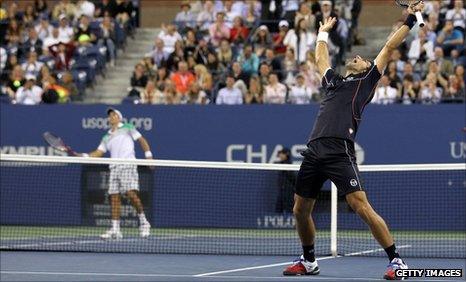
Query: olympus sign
{"type": "Point", "coordinates": [250, 153]}
{"type": "Point", "coordinates": [141, 123]}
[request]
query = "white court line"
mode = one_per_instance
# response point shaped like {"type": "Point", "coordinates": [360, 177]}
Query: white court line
{"type": "Point", "coordinates": [285, 263]}
{"type": "Point", "coordinates": [185, 275]}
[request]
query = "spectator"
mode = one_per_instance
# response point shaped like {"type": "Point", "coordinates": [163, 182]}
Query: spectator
{"type": "Point", "coordinates": [49, 94]}
{"type": "Point", "coordinates": [105, 7]}
{"type": "Point", "coordinates": [203, 78]}
{"type": "Point", "coordinates": [421, 49]}
{"type": "Point", "coordinates": [44, 75]}
{"type": "Point", "coordinates": [264, 71]}
{"type": "Point", "coordinates": [455, 91]}
{"type": "Point", "coordinates": [435, 75]}
{"type": "Point", "coordinates": [301, 40]}
{"type": "Point", "coordinates": [169, 36]}
{"type": "Point", "coordinates": [305, 13]}
{"type": "Point", "coordinates": [51, 40]}
{"type": "Point", "coordinates": [185, 18]}
{"type": "Point", "coordinates": [229, 95]}
{"type": "Point", "coordinates": [290, 7]}
{"type": "Point", "coordinates": [212, 64]}
{"type": "Point", "coordinates": [225, 54]}
{"type": "Point", "coordinates": [399, 63]}
{"type": "Point", "coordinates": [44, 28]}
{"type": "Point", "coordinates": [327, 11]}
{"type": "Point", "coordinates": [230, 13]}
{"type": "Point", "coordinates": [219, 30]}
{"type": "Point", "coordinates": [15, 81]}
{"type": "Point", "coordinates": [408, 91]}
{"type": "Point", "coordinates": [83, 32]}
{"type": "Point", "coordinates": [450, 39]}
{"type": "Point", "coordinates": [149, 68]}
{"type": "Point", "coordinates": [33, 43]}
{"type": "Point", "coordinates": [255, 93]}
{"type": "Point", "coordinates": [108, 38]}
{"type": "Point", "coordinates": [29, 16]}
{"type": "Point", "coordinates": [275, 92]}
{"type": "Point", "coordinates": [249, 60]}
{"type": "Point", "coordinates": [238, 74]}
{"type": "Point", "coordinates": [169, 91]}
{"type": "Point", "coordinates": [14, 32]}
{"type": "Point", "coordinates": [158, 54]}
{"type": "Point", "coordinates": [289, 67]}
{"type": "Point", "coordinates": [64, 7]}
{"type": "Point", "coordinates": [176, 56]}
{"type": "Point", "coordinates": [271, 10]}
{"type": "Point", "coordinates": [85, 7]}
{"type": "Point", "coordinates": [66, 33]}
{"type": "Point", "coordinates": [40, 7]}
{"type": "Point", "coordinates": [385, 94]}
{"type": "Point", "coordinates": [415, 77]}
{"type": "Point", "coordinates": [161, 76]}
{"type": "Point", "coordinates": [32, 66]}
{"type": "Point", "coordinates": [460, 75]}
{"type": "Point", "coordinates": [138, 81]}
{"type": "Point", "coordinates": [392, 73]}
{"type": "Point", "coordinates": [29, 94]}
{"type": "Point", "coordinates": [183, 79]}
{"type": "Point", "coordinates": [151, 94]}
{"type": "Point", "coordinates": [278, 38]}
{"type": "Point", "coordinates": [457, 59]}
{"type": "Point", "coordinates": [261, 40]}
{"type": "Point", "coordinates": [197, 96]}
{"type": "Point", "coordinates": [239, 33]}
{"type": "Point", "coordinates": [252, 13]}
{"type": "Point", "coordinates": [124, 10]}
{"type": "Point", "coordinates": [70, 86]}
{"type": "Point", "coordinates": [445, 65]}
{"type": "Point", "coordinates": [190, 43]}
{"type": "Point", "coordinates": [457, 15]}
{"type": "Point", "coordinates": [430, 93]}
{"type": "Point", "coordinates": [63, 54]}
{"type": "Point", "coordinates": [202, 52]}
{"type": "Point", "coordinates": [206, 17]}
{"type": "Point", "coordinates": [274, 61]}
{"type": "Point", "coordinates": [300, 94]}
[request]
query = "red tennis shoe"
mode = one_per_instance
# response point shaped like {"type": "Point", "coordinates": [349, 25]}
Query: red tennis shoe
{"type": "Point", "coordinates": [302, 267]}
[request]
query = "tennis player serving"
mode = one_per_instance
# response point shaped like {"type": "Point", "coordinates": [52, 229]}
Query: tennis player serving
{"type": "Point", "coordinates": [330, 153]}
{"type": "Point", "coordinates": [124, 179]}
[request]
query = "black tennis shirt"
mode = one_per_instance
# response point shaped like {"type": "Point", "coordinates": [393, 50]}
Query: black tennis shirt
{"type": "Point", "coordinates": [344, 101]}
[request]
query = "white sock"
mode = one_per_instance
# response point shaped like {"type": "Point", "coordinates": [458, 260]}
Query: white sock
{"type": "Point", "coordinates": [116, 225]}
{"type": "Point", "coordinates": [142, 218]}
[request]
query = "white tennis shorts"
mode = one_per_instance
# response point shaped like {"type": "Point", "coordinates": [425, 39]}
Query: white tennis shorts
{"type": "Point", "coordinates": [123, 178]}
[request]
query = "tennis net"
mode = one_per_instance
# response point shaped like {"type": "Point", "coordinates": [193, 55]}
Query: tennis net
{"type": "Point", "coordinates": [62, 204]}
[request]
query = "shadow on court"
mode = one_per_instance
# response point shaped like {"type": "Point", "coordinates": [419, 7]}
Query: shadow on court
{"type": "Point", "coordinates": [64, 266]}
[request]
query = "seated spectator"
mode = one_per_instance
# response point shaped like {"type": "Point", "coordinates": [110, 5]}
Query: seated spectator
{"type": "Point", "coordinates": [183, 79]}
{"type": "Point", "coordinates": [392, 73]}
{"type": "Point", "coordinates": [64, 7]}
{"type": "Point", "coordinates": [197, 96]}
{"type": "Point", "coordinates": [29, 16]}
{"type": "Point", "coordinates": [261, 40]}
{"type": "Point", "coordinates": [252, 14]}
{"type": "Point", "coordinates": [300, 94]}
{"type": "Point", "coordinates": [44, 75]}
{"type": "Point", "coordinates": [29, 94]}
{"type": "Point", "coordinates": [85, 7]}
{"type": "Point", "coordinates": [161, 75]}
{"type": "Point", "coordinates": [278, 38]}
{"type": "Point", "coordinates": [14, 33]}
{"type": "Point", "coordinates": [202, 52]}
{"type": "Point", "coordinates": [301, 45]}
{"type": "Point", "coordinates": [105, 7]}
{"type": "Point", "coordinates": [455, 91]}
{"type": "Point", "coordinates": [149, 68]}
{"type": "Point", "coordinates": [399, 63]}
{"type": "Point", "coordinates": [40, 7]}
{"type": "Point", "coordinates": [430, 93]}
{"type": "Point", "coordinates": [415, 77]}
{"type": "Point", "coordinates": [274, 61]}
{"type": "Point", "coordinates": [206, 17]}
{"type": "Point", "coordinates": [249, 60]}
{"type": "Point", "coordinates": [32, 66]}
{"type": "Point", "coordinates": [65, 32]}
{"type": "Point", "coordinates": [305, 13]}
{"type": "Point", "coordinates": [457, 15]}
{"type": "Point", "coordinates": [385, 94]}
{"type": "Point", "coordinates": [15, 81]}
{"type": "Point", "coordinates": [124, 10]}
{"type": "Point", "coordinates": [219, 30]}
{"type": "Point", "coordinates": [44, 28]}
{"type": "Point", "coordinates": [70, 86]}
{"type": "Point", "coordinates": [151, 94]}
{"type": "Point", "coordinates": [433, 73]}
{"type": "Point", "coordinates": [108, 38]}
{"type": "Point", "coordinates": [445, 65]}
{"type": "Point", "coordinates": [169, 36]}
{"type": "Point", "coordinates": [176, 56]}
{"type": "Point", "coordinates": [275, 92]}
{"type": "Point", "coordinates": [255, 93]}
{"type": "Point", "coordinates": [230, 13]}
{"type": "Point", "coordinates": [408, 91]}
{"type": "Point", "coordinates": [190, 43]}
{"type": "Point", "coordinates": [460, 74]}
{"type": "Point", "coordinates": [63, 54]}
{"type": "Point", "coordinates": [158, 54]}
{"type": "Point", "coordinates": [238, 74]}
{"type": "Point", "coordinates": [51, 40]}
{"type": "Point", "coordinates": [264, 71]}
{"type": "Point", "coordinates": [421, 49]}
{"type": "Point", "coordinates": [212, 64]}
{"type": "Point", "coordinates": [225, 54]}
{"type": "Point", "coordinates": [138, 81]}
{"type": "Point", "coordinates": [239, 33]}
{"type": "Point", "coordinates": [83, 31]}
{"type": "Point", "coordinates": [289, 67]}
{"type": "Point", "coordinates": [203, 79]}
{"type": "Point", "coordinates": [457, 59]}
{"type": "Point", "coordinates": [450, 39]}
{"type": "Point", "coordinates": [171, 96]}
{"type": "Point", "coordinates": [51, 90]}
{"type": "Point", "coordinates": [33, 43]}
{"type": "Point", "coordinates": [229, 95]}
{"type": "Point", "coordinates": [185, 18]}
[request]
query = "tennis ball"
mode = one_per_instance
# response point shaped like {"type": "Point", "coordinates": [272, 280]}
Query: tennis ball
{"type": "Point", "coordinates": [84, 38]}
{"type": "Point", "coordinates": [17, 83]}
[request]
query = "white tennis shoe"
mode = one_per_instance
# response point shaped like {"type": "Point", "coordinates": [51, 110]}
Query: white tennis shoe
{"type": "Point", "coordinates": [144, 230]}
{"type": "Point", "coordinates": [112, 234]}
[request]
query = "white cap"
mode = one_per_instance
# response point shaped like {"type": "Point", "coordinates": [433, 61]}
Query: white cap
{"type": "Point", "coordinates": [30, 77]}
{"type": "Point", "coordinates": [109, 110]}
{"type": "Point", "coordinates": [283, 23]}
{"type": "Point", "coordinates": [61, 17]}
{"type": "Point", "coordinates": [263, 27]}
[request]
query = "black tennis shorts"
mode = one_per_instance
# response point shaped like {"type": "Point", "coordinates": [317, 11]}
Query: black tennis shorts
{"type": "Point", "coordinates": [328, 158]}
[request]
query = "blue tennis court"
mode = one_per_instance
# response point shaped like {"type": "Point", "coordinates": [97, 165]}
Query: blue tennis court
{"type": "Point", "coordinates": [66, 266]}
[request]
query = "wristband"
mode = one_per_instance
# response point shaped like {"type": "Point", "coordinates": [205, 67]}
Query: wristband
{"type": "Point", "coordinates": [322, 36]}
{"type": "Point", "coordinates": [148, 154]}
{"type": "Point", "coordinates": [84, 155]}
{"type": "Point", "coordinates": [410, 21]}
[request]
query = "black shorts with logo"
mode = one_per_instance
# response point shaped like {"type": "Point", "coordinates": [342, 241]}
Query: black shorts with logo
{"type": "Point", "coordinates": [328, 158]}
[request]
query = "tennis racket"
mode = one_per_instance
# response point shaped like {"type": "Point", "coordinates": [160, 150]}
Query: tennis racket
{"type": "Point", "coordinates": [407, 4]}
{"type": "Point", "coordinates": [58, 144]}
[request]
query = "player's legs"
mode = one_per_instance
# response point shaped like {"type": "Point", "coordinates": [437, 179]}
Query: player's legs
{"type": "Point", "coordinates": [135, 201]}
{"type": "Point", "coordinates": [304, 224]}
{"type": "Point", "coordinates": [115, 203]}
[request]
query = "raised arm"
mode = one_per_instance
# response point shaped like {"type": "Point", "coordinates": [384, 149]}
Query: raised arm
{"type": "Point", "coordinates": [397, 38]}
{"type": "Point", "coordinates": [322, 56]}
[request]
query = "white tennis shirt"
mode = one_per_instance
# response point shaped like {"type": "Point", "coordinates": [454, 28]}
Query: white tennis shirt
{"type": "Point", "coordinates": [120, 143]}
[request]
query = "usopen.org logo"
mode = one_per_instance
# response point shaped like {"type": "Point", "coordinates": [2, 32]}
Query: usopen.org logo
{"type": "Point", "coordinates": [353, 182]}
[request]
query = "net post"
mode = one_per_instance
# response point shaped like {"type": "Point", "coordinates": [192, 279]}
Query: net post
{"type": "Point", "coordinates": [333, 220]}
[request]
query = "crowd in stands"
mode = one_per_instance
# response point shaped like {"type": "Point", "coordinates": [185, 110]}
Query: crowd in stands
{"type": "Point", "coordinates": [51, 54]}
{"type": "Point", "coordinates": [254, 52]}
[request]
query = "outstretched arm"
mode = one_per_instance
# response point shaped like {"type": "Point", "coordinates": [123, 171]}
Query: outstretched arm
{"type": "Point", "coordinates": [322, 56]}
{"type": "Point", "coordinates": [94, 154]}
{"type": "Point", "coordinates": [397, 38]}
